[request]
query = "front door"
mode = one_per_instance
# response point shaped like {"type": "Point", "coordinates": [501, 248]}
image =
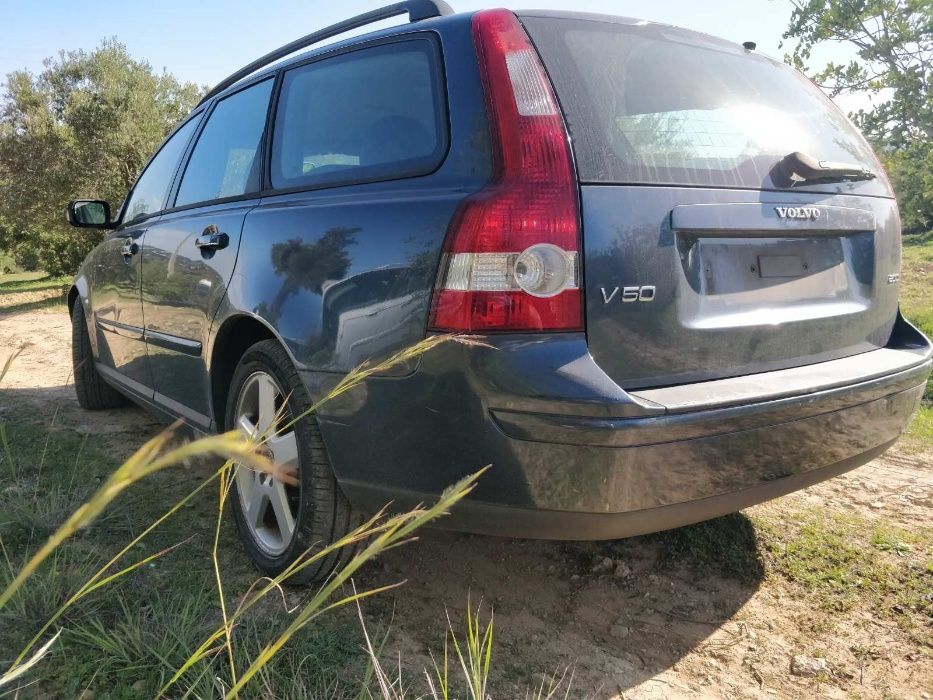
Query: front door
{"type": "Point", "coordinates": [116, 310]}
{"type": "Point", "coordinates": [116, 306]}
{"type": "Point", "coordinates": [190, 253]}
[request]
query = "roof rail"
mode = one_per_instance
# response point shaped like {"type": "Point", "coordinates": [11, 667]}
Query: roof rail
{"type": "Point", "coordinates": [416, 9]}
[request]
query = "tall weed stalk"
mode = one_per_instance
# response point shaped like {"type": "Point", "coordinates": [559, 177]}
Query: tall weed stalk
{"type": "Point", "coordinates": [378, 534]}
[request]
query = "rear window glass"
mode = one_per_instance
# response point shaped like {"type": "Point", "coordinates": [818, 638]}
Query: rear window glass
{"type": "Point", "coordinates": [651, 104]}
{"type": "Point", "coordinates": [370, 114]}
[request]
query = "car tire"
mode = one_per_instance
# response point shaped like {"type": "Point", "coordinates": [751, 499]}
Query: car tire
{"type": "Point", "coordinates": [93, 392]}
{"type": "Point", "coordinates": [321, 513]}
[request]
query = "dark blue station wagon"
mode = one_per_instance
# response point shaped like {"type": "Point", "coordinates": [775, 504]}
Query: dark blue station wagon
{"type": "Point", "coordinates": [682, 257]}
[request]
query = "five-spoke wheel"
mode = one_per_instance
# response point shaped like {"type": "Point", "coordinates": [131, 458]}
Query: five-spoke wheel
{"type": "Point", "coordinates": [293, 515]}
{"type": "Point", "coordinates": [270, 506]}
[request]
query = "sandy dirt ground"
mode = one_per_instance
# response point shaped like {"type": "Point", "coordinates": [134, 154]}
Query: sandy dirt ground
{"type": "Point", "coordinates": [634, 632]}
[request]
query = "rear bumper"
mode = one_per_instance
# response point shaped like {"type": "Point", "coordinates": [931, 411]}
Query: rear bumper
{"type": "Point", "coordinates": [490, 519]}
{"type": "Point", "coordinates": [575, 457]}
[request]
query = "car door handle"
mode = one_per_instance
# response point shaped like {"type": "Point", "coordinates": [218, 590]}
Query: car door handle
{"type": "Point", "coordinates": [212, 239]}
{"type": "Point", "coordinates": [130, 248]}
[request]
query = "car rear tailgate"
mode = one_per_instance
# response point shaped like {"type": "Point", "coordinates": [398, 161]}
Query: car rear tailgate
{"type": "Point", "coordinates": [736, 290]}
{"type": "Point", "coordinates": [703, 259]}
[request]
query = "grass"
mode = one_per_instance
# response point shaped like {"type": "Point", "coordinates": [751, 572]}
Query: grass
{"type": "Point", "coordinates": [56, 302]}
{"type": "Point", "coordinates": [916, 295]}
{"type": "Point", "coordinates": [58, 470]}
{"type": "Point", "coordinates": [920, 433]}
{"type": "Point", "coordinates": [155, 627]}
{"type": "Point", "coordinates": [22, 292]}
{"type": "Point", "coordinates": [30, 282]}
{"type": "Point", "coordinates": [844, 562]}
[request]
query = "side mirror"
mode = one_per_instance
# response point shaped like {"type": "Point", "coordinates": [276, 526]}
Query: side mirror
{"type": "Point", "coordinates": [89, 213]}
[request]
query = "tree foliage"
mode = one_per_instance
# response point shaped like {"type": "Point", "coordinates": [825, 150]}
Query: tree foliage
{"type": "Point", "coordinates": [893, 45]}
{"type": "Point", "coordinates": [83, 127]}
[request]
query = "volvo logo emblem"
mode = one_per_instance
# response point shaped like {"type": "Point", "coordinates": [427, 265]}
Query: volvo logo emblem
{"type": "Point", "coordinates": [811, 213]}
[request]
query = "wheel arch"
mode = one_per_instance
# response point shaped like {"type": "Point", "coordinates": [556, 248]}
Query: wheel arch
{"type": "Point", "coordinates": [235, 335]}
{"type": "Point", "coordinates": [80, 290]}
{"type": "Point", "coordinates": [79, 293]}
{"type": "Point", "coordinates": [72, 297]}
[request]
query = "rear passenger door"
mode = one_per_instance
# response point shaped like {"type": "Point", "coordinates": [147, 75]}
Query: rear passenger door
{"type": "Point", "coordinates": [342, 252]}
{"type": "Point", "coordinates": [190, 252]}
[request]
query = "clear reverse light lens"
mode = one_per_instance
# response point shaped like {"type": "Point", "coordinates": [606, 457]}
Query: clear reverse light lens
{"type": "Point", "coordinates": [543, 270]}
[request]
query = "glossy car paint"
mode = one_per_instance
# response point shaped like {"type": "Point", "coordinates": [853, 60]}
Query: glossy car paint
{"type": "Point", "coordinates": [547, 438]}
{"type": "Point", "coordinates": [184, 286]}
{"type": "Point", "coordinates": [701, 250]}
{"type": "Point", "coordinates": [115, 309]}
{"type": "Point", "coordinates": [576, 450]}
{"type": "Point", "coordinates": [367, 228]}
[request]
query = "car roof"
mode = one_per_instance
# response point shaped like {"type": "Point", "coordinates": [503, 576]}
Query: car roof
{"type": "Point", "coordinates": [326, 47]}
{"type": "Point", "coordinates": [436, 23]}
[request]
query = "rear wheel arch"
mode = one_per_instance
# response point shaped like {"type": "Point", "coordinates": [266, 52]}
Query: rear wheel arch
{"type": "Point", "coordinates": [234, 337]}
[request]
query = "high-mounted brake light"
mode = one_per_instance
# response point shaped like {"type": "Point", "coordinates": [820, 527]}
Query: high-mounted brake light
{"type": "Point", "coordinates": [511, 260]}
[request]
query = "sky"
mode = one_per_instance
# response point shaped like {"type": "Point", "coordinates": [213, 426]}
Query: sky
{"type": "Point", "coordinates": [205, 40]}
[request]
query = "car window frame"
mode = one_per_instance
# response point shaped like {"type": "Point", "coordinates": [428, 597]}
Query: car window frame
{"type": "Point", "coordinates": [264, 138]}
{"type": "Point", "coordinates": [196, 115]}
{"type": "Point", "coordinates": [442, 117]}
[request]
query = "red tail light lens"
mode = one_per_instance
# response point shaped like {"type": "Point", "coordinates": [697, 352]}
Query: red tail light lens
{"type": "Point", "coordinates": [511, 253]}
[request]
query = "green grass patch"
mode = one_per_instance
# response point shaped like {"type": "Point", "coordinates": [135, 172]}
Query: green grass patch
{"type": "Point", "coordinates": [54, 301]}
{"type": "Point", "coordinates": [918, 239]}
{"type": "Point", "coordinates": [916, 285]}
{"type": "Point", "coordinates": [916, 297]}
{"type": "Point", "coordinates": [845, 562]}
{"type": "Point", "coordinates": [32, 291]}
{"type": "Point", "coordinates": [920, 432]}
{"type": "Point", "coordinates": [126, 640]}
{"type": "Point", "coordinates": [30, 281]}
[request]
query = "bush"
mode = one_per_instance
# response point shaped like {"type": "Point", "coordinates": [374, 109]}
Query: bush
{"type": "Point", "coordinates": [83, 127]}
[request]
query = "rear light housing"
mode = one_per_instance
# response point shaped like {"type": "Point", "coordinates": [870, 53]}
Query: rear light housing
{"type": "Point", "coordinates": [511, 256]}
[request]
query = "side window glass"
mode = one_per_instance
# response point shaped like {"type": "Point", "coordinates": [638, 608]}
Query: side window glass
{"type": "Point", "coordinates": [226, 159]}
{"type": "Point", "coordinates": [371, 114]}
{"type": "Point", "coordinates": [152, 187]}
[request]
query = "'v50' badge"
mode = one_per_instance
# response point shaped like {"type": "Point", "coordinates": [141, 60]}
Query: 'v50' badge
{"type": "Point", "coordinates": [628, 294]}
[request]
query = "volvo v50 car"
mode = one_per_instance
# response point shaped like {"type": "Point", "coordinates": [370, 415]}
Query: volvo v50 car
{"type": "Point", "coordinates": [682, 257]}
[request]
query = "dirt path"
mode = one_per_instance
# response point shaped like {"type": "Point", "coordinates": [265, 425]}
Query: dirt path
{"type": "Point", "coordinates": [633, 631]}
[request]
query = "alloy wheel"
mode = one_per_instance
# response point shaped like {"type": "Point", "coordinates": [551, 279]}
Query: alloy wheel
{"type": "Point", "coordinates": [270, 506]}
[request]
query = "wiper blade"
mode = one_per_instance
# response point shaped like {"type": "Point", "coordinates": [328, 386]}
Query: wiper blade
{"type": "Point", "coordinates": [798, 168]}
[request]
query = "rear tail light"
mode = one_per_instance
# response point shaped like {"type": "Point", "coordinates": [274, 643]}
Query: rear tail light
{"type": "Point", "coordinates": [511, 261]}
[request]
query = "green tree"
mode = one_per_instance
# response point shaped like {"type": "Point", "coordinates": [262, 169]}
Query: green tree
{"type": "Point", "coordinates": [83, 127]}
{"type": "Point", "coordinates": [893, 44]}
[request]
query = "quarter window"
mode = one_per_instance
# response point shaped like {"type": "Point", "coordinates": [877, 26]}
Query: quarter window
{"type": "Point", "coordinates": [148, 196]}
{"type": "Point", "coordinates": [226, 159]}
{"type": "Point", "coordinates": [371, 114]}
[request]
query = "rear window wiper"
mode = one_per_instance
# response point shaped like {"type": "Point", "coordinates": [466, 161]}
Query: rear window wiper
{"type": "Point", "coordinates": [799, 168]}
